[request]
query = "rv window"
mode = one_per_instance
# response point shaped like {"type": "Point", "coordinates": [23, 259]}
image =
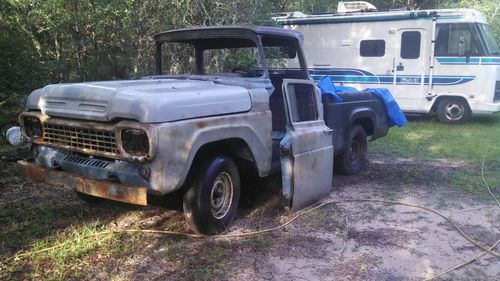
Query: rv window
{"type": "Point", "coordinates": [372, 48]}
{"type": "Point", "coordinates": [442, 34]}
{"type": "Point", "coordinates": [489, 39]}
{"type": "Point", "coordinates": [456, 40]}
{"type": "Point", "coordinates": [410, 45]}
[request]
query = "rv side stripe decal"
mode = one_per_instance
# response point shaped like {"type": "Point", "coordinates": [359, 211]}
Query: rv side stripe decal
{"type": "Point", "coordinates": [471, 61]}
{"type": "Point", "coordinates": [356, 76]}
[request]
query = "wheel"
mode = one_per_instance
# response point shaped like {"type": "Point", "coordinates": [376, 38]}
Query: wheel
{"type": "Point", "coordinates": [89, 199]}
{"type": "Point", "coordinates": [211, 198]}
{"type": "Point", "coordinates": [3, 131]}
{"type": "Point", "coordinates": [453, 111]}
{"type": "Point", "coordinates": [352, 161]}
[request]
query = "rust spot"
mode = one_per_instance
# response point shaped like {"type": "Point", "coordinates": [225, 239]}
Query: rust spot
{"type": "Point", "coordinates": [89, 137]}
{"type": "Point", "coordinates": [113, 191]}
{"type": "Point", "coordinates": [314, 164]}
{"type": "Point", "coordinates": [201, 124]}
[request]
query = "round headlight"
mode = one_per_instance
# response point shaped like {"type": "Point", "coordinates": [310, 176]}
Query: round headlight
{"type": "Point", "coordinates": [32, 127]}
{"type": "Point", "coordinates": [135, 142]}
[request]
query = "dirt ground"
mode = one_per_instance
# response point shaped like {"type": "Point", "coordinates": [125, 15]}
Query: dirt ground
{"type": "Point", "coordinates": [347, 241]}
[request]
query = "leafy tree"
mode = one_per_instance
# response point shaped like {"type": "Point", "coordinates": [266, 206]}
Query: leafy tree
{"type": "Point", "coordinates": [54, 41]}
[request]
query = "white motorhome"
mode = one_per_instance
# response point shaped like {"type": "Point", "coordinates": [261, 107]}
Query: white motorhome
{"type": "Point", "coordinates": [443, 61]}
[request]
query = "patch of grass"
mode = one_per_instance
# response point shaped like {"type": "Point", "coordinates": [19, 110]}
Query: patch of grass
{"type": "Point", "coordinates": [429, 139]}
{"type": "Point", "coordinates": [68, 254]}
{"type": "Point", "coordinates": [425, 138]}
{"type": "Point", "coordinates": [5, 148]}
{"type": "Point", "coordinates": [472, 181]}
{"type": "Point", "coordinates": [259, 243]}
{"type": "Point", "coordinates": [29, 226]}
{"type": "Point", "coordinates": [201, 260]}
{"type": "Point", "coordinates": [75, 254]}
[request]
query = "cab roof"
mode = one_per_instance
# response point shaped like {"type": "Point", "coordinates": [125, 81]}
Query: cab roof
{"type": "Point", "coordinates": [228, 31]}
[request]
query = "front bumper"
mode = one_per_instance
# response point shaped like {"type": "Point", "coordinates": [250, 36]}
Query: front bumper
{"type": "Point", "coordinates": [108, 190]}
{"type": "Point", "coordinates": [485, 108]}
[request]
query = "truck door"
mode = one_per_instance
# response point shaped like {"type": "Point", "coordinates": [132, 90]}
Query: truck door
{"type": "Point", "coordinates": [411, 66]}
{"type": "Point", "coordinates": [306, 150]}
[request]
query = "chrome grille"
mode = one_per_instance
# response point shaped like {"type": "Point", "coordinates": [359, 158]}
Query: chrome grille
{"type": "Point", "coordinates": [90, 140]}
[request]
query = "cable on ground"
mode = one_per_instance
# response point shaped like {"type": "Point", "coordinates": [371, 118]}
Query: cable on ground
{"type": "Point", "coordinates": [486, 250]}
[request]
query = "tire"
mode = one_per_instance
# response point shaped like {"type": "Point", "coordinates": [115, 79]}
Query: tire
{"type": "Point", "coordinates": [211, 198]}
{"type": "Point", "coordinates": [353, 160]}
{"type": "Point", "coordinates": [89, 199]}
{"type": "Point", "coordinates": [453, 111]}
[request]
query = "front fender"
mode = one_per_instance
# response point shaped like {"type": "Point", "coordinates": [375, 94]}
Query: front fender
{"type": "Point", "coordinates": [180, 141]}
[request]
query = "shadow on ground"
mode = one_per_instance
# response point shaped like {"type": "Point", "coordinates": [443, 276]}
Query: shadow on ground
{"type": "Point", "coordinates": [349, 241]}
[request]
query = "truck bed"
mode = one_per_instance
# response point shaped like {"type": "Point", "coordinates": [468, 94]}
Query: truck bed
{"type": "Point", "coordinates": [361, 108]}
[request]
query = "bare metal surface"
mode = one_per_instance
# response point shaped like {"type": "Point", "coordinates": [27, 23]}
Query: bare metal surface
{"type": "Point", "coordinates": [145, 100]}
{"type": "Point", "coordinates": [307, 154]}
{"type": "Point", "coordinates": [102, 189]}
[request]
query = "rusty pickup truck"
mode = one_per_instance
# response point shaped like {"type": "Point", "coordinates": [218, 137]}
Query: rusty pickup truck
{"type": "Point", "coordinates": [222, 99]}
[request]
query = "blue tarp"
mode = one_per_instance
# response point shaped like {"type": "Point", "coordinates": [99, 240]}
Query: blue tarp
{"type": "Point", "coordinates": [393, 111]}
{"type": "Point", "coordinates": [327, 88]}
{"type": "Point", "coordinates": [396, 116]}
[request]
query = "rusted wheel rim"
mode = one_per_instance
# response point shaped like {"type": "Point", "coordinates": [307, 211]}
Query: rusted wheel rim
{"type": "Point", "coordinates": [221, 195]}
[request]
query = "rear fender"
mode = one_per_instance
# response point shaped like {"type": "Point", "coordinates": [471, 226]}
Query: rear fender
{"type": "Point", "coordinates": [361, 113]}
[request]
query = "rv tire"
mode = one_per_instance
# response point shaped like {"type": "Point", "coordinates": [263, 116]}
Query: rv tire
{"type": "Point", "coordinates": [453, 111]}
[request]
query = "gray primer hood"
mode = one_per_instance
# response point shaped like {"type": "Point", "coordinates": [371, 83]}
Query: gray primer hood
{"type": "Point", "coordinates": [147, 101]}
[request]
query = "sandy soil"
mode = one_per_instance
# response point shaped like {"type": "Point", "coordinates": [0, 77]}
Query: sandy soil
{"type": "Point", "coordinates": [347, 241]}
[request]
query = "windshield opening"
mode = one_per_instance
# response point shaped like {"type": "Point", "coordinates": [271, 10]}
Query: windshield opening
{"type": "Point", "coordinates": [280, 53]}
{"type": "Point", "coordinates": [489, 40]}
{"type": "Point", "coordinates": [217, 56]}
{"type": "Point", "coordinates": [230, 61]}
{"type": "Point", "coordinates": [178, 58]}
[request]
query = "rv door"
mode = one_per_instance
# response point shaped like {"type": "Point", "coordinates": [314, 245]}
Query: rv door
{"type": "Point", "coordinates": [306, 150]}
{"type": "Point", "coordinates": [411, 65]}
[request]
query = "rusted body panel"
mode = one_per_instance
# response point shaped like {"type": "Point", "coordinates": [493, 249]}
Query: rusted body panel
{"type": "Point", "coordinates": [174, 145]}
{"type": "Point", "coordinates": [306, 150]}
{"type": "Point", "coordinates": [182, 140]}
{"type": "Point", "coordinates": [113, 191]}
{"type": "Point", "coordinates": [74, 141]}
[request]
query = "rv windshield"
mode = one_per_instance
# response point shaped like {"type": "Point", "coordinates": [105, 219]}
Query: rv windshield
{"type": "Point", "coordinates": [490, 41]}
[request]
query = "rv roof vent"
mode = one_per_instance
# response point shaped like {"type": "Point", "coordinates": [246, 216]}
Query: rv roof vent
{"type": "Point", "coordinates": [355, 6]}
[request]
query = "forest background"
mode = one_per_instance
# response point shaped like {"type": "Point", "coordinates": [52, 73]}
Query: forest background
{"type": "Point", "coordinates": [54, 41]}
